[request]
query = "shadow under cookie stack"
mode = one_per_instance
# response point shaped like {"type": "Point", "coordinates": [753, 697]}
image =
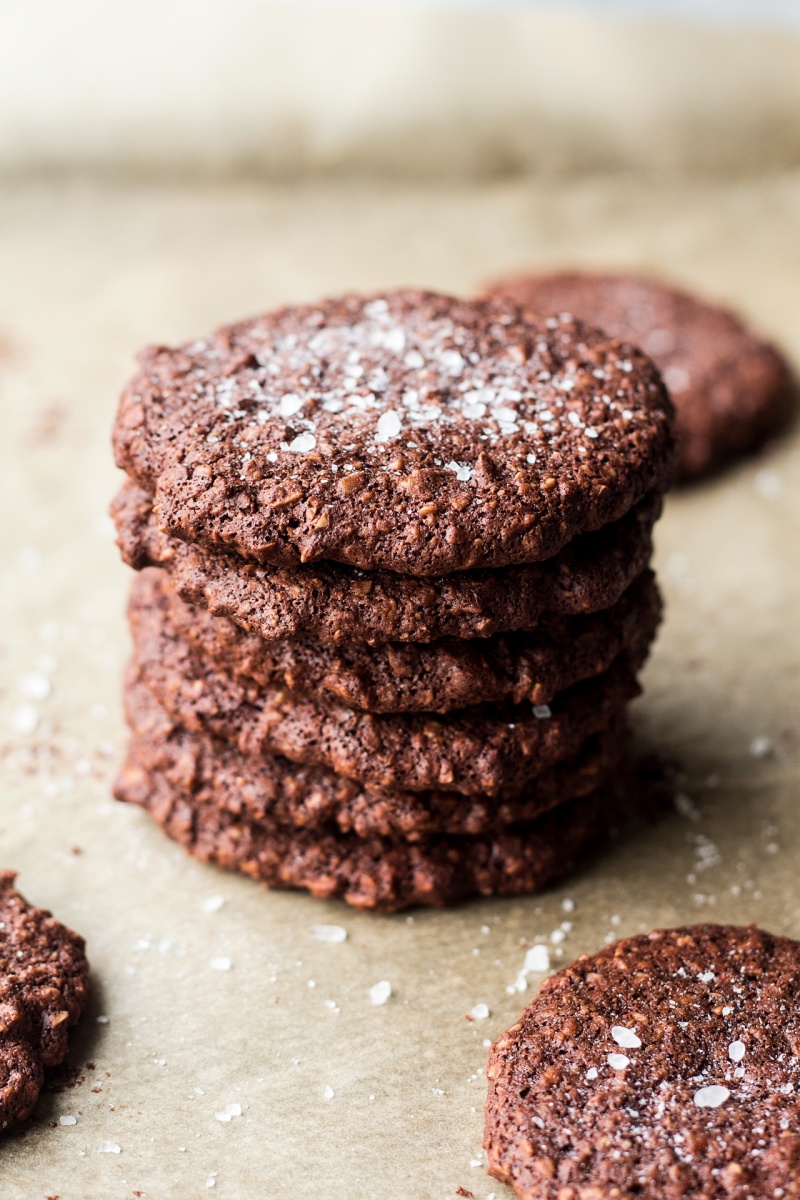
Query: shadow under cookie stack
{"type": "Point", "coordinates": [393, 593]}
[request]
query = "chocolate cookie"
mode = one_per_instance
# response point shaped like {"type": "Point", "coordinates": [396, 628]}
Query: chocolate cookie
{"type": "Point", "coordinates": [44, 985]}
{"type": "Point", "coordinates": [407, 677]}
{"type": "Point", "coordinates": [409, 432]}
{"type": "Point", "coordinates": [381, 873]}
{"type": "Point", "coordinates": [486, 749]}
{"type": "Point", "coordinates": [271, 789]}
{"type": "Point", "coordinates": [339, 604]}
{"type": "Point", "coordinates": [667, 1065]}
{"type": "Point", "coordinates": [730, 388]}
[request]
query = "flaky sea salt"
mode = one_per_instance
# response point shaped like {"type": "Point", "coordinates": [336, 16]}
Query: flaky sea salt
{"type": "Point", "coordinates": [290, 404]}
{"type": "Point", "coordinates": [537, 960]}
{"type": "Point", "coordinates": [768, 485]}
{"type": "Point", "coordinates": [24, 719]}
{"type": "Point", "coordinates": [394, 340]}
{"type": "Point", "coordinates": [479, 1012]}
{"type": "Point", "coordinates": [463, 471]}
{"type": "Point", "coordinates": [303, 443]}
{"type": "Point", "coordinates": [108, 1148]}
{"type": "Point", "coordinates": [711, 1097]}
{"type": "Point", "coordinates": [625, 1037]}
{"type": "Point", "coordinates": [736, 1051]}
{"type": "Point", "coordinates": [329, 933]}
{"type": "Point", "coordinates": [618, 1062]}
{"type": "Point", "coordinates": [380, 992]}
{"type": "Point", "coordinates": [230, 1111]}
{"type": "Point", "coordinates": [389, 425]}
{"type": "Point", "coordinates": [221, 964]}
{"type": "Point", "coordinates": [35, 686]}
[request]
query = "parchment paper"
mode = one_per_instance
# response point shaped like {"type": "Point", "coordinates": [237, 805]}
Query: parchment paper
{"type": "Point", "coordinates": [88, 275]}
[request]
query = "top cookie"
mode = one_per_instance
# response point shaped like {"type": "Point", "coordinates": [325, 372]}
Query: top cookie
{"type": "Point", "coordinates": [44, 985]}
{"type": "Point", "coordinates": [409, 431]}
{"type": "Point", "coordinates": [664, 1066]}
{"type": "Point", "coordinates": [730, 388]}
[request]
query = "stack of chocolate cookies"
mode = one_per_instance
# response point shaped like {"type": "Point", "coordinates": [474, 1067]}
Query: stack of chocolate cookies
{"type": "Point", "coordinates": [394, 592]}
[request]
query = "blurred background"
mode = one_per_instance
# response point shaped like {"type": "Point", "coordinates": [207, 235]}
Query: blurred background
{"type": "Point", "coordinates": [250, 88]}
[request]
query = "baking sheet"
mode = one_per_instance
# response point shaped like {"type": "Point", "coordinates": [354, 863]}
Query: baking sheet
{"type": "Point", "coordinates": [89, 274]}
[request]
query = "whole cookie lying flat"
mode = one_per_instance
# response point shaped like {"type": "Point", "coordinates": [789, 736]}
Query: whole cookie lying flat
{"type": "Point", "coordinates": [409, 677]}
{"type": "Point", "coordinates": [486, 749]}
{"type": "Point", "coordinates": [667, 1065]}
{"type": "Point", "coordinates": [410, 432]}
{"type": "Point", "coordinates": [382, 873]}
{"type": "Point", "coordinates": [730, 388]}
{"type": "Point", "coordinates": [44, 985]}
{"type": "Point", "coordinates": [274, 791]}
{"type": "Point", "coordinates": [339, 604]}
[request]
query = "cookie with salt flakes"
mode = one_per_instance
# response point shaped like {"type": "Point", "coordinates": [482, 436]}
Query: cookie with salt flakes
{"type": "Point", "coordinates": [730, 387]}
{"type": "Point", "coordinates": [409, 431]}
{"type": "Point", "coordinates": [665, 1065]}
{"type": "Point", "coordinates": [44, 986]}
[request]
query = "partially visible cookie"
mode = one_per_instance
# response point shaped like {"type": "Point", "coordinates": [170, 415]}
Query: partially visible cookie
{"type": "Point", "coordinates": [731, 389]}
{"type": "Point", "coordinates": [339, 604]}
{"type": "Point", "coordinates": [486, 749]}
{"type": "Point", "coordinates": [275, 791]}
{"type": "Point", "coordinates": [44, 986]}
{"type": "Point", "coordinates": [384, 874]}
{"type": "Point", "coordinates": [418, 677]}
{"type": "Point", "coordinates": [409, 432]}
{"type": "Point", "coordinates": [666, 1065]}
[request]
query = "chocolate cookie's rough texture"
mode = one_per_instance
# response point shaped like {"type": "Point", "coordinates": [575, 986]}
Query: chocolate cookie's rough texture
{"type": "Point", "coordinates": [339, 604]}
{"type": "Point", "coordinates": [380, 873]}
{"type": "Point", "coordinates": [273, 790]}
{"type": "Point", "coordinates": [730, 388]}
{"type": "Point", "coordinates": [667, 1065]}
{"type": "Point", "coordinates": [410, 432]}
{"type": "Point", "coordinates": [44, 985]}
{"type": "Point", "coordinates": [485, 749]}
{"type": "Point", "coordinates": [422, 677]}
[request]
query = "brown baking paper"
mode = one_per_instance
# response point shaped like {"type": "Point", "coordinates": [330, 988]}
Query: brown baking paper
{"type": "Point", "coordinates": [340, 1097]}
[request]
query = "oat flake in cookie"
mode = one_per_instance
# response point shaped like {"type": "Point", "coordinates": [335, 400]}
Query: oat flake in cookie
{"type": "Point", "coordinates": [44, 985]}
{"type": "Point", "coordinates": [411, 432]}
{"type": "Point", "coordinates": [731, 389]}
{"type": "Point", "coordinates": [665, 1066]}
